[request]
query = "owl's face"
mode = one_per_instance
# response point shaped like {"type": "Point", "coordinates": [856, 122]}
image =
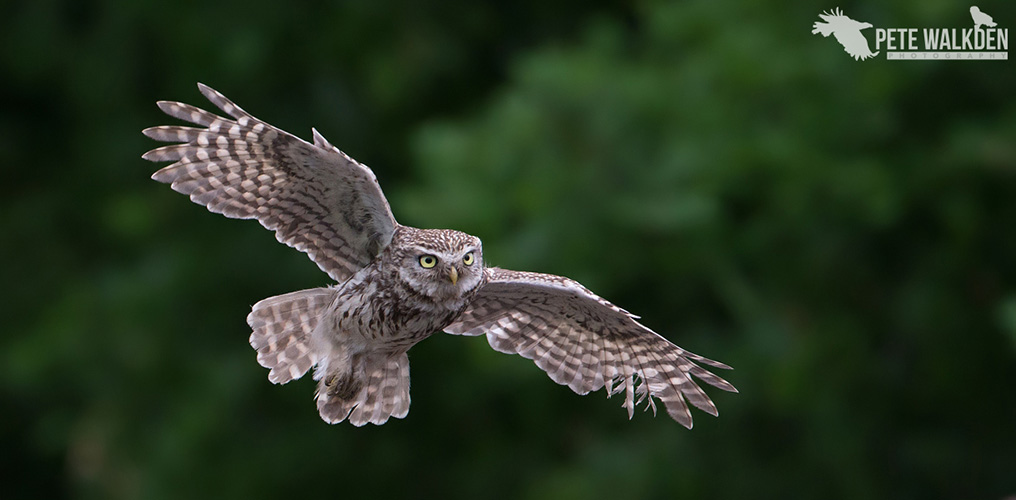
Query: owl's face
{"type": "Point", "coordinates": [442, 264]}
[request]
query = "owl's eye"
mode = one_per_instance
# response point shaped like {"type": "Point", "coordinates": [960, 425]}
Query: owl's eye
{"type": "Point", "coordinates": [428, 261]}
{"type": "Point", "coordinates": [467, 259]}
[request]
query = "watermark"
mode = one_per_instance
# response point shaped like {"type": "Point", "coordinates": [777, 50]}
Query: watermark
{"type": "Point", "coordinates": [985, 41]}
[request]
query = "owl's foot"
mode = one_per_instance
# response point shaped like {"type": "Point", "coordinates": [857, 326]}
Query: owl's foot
{"type": "Point", "coordinates": [373, 391]}
{"type": "Point", "coordinates": [343, 387]}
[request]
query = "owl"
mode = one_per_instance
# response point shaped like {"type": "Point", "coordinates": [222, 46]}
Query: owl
{"type": "Point", "coordinates": [397, 285]}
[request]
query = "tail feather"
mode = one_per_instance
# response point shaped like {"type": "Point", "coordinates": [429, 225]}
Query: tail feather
{"type": "Point", "coordinates": [375, 390]}
{"type": "Point", "coordinates": [282, 327]}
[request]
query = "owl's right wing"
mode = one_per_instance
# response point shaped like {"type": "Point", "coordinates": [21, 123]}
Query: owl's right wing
{"type": "Point", "coordinates": [315, 198]}
{"type": "Point", "coordinates": [583, 341]}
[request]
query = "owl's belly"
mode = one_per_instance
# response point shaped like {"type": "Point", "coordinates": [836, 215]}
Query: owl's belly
{"type": "Point", "coordinates": [364, 318]}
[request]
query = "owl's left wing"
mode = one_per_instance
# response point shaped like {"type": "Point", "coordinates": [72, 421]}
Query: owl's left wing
{"type": "Point", "coordinates": [583, 341]}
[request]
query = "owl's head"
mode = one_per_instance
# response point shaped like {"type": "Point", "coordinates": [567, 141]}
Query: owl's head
{"type": "Point", "coordinates": [442, 264]}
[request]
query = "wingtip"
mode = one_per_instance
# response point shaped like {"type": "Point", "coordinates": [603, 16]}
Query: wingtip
{"type": "Point", "coordinates": [207, 91]}
{"type": "Point", "coordinates": [161, 175]}
{"type": "Point", "coordinates": [166, 106]}
{"type": "Point", "coordinates": [215, 96]}
{"type": "Point", "coordinates": [222, 102]}
{"type": "Point", "coordinates": [150, 132]}
{"type": "Point", "coordinates": [722, 366]}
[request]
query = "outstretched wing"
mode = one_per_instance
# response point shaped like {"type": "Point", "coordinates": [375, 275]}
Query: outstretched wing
{"type": "Point", "coordinates": [315, 198]}
{"type": "Point", "coordinates": [585, 342]}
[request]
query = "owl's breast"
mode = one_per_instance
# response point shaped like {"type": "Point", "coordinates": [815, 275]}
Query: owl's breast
{"type": "Point", "coordinates": [379, 315]}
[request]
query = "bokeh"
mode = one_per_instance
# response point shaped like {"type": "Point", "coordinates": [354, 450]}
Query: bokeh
{"type": "Point", "coordinates": [840, 232]}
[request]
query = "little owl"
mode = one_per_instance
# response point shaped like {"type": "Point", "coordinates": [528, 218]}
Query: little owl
{"type": "Point", "coordinates": [397, 284]}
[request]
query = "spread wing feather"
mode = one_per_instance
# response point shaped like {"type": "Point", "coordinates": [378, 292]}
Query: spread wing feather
{"type": "Point", "coordinates": [315, 198]}
{"type": "Point", "coordinates": [585, 342]}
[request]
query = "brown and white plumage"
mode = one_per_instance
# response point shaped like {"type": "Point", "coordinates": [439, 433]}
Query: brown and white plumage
{"type": "Point", "coordinates": [585, 342]}
{"type": "Point", "coordinates": [398, 285]}
{"type": "Point", "coordinates": [247, 169]}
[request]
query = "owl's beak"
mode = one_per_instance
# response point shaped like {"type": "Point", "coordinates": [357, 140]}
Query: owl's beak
{"type": "Point", "coordinates": [453, 274]}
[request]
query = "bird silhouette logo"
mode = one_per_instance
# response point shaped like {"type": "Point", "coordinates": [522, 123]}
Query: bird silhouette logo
{"type": "Point", "coordinates": [980, 18]}
{"type": "Point", "coordinates": [847, 31]}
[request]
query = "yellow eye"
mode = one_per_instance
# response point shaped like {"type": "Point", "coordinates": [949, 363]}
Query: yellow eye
{"type": "Point", "coordinates": [468, 259]}
{"type": "Point", "coordinates": [428, 261]}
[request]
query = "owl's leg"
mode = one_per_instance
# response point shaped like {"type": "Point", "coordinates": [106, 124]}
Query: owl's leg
{"type": "Point", "coordinates": [375, 388]}
{"type": "Point", "coordinates": [282, 331]}
{"type": "Point", "coordinates": [341, 380]}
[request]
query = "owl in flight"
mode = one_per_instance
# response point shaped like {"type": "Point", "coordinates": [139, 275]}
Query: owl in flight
{"type": "Point", "coordinates": [397, 284]}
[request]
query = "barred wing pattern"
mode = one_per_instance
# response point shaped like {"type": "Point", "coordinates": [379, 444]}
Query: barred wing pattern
{"type": "Point", "coordinates": [585, 342]}
{"type": "Point", "coordinates": [315, 198]}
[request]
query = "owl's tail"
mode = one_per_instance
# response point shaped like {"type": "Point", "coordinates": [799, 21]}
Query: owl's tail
{"type": "Point", "coordinates": [282, 330]}
{"type": "Point", "coordinates": [375, 387]}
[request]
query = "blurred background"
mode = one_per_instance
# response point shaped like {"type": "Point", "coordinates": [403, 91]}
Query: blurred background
{"type": "Point", "coordinates": [840, 232]}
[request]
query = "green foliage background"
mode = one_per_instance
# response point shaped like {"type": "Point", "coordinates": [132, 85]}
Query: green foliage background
{"type": "Point", "coordinates": [840, 232]}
